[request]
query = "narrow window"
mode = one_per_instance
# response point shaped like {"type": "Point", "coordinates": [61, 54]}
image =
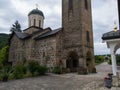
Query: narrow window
{"type": "Point", "coordinates": [87, 36]}
{"type": "Point", "coordinates": [43, 54]}
{"type": "Point", "coordinates": [86, 4]}
{"type": "Point", "coordinates": [34, 22]}
{"type": "Point", "coordinates": [39, 23]}
{"type": "Point", "coordinates": [30, 23]}
{"type": "Point", "coordinates": [70, 4]}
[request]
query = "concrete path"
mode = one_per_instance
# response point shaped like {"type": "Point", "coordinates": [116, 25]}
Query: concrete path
{"type": "Point", "coordinates": [103, 69]}
{"type": "Point", "coordinates": [71, 81]}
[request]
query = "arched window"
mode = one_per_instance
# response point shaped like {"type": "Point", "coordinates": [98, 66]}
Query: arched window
{"type": "Point", "coordinates": [70, 4]}
{"type": "Point", "coordinates": [34, 22]}
{"type": "Point", "coordinates": [43, 54]}
{"type": "Point", "coordinates": [30, 23]}
{"type": "Point", "coordinates": [87, 36]}
{"type": "Point", "coordinates": [86, 4]}
{"type": "Point", "coordinates": [39, 23]}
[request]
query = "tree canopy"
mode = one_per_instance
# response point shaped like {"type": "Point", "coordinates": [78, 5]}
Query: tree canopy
{"type": "Point", "coordinates": [4, 55]}
{"type": "Point", "coordinates": [16, 27]}
{"type": "Point", "coordinates": [3, 40]}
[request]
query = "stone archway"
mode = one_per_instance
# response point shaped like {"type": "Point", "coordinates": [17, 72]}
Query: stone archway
{"type": "Point", "coordinates": [72, 62]}
{"type": "Point", "coordinates": [89, 62]}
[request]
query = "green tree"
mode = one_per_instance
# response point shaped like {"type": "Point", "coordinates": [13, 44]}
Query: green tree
{"type": "Point", "coordinates": [16, 27]}
{"type": "Point", "coordinates": [4, 55]}
{"type": "Point", "coordinates": [99, 59]}
{"type": "Point", "coordinates": [3, 40]}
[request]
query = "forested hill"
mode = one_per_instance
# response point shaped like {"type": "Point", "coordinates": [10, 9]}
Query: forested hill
{"type": "Point", "coordinates": [3, 39]}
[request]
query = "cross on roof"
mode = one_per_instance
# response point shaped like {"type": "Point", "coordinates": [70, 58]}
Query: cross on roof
{"type": "Point", "coordinates": [36, 6]}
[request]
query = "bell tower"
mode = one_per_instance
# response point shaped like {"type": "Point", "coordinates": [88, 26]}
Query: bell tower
{"type": "Point", "coordinates": [36, 18]}
{"type": "Point", "coordinates": [78, 34]}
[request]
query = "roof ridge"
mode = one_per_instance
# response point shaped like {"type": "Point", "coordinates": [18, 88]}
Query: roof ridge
{"type": "Point", "coordinates": [48, 33]}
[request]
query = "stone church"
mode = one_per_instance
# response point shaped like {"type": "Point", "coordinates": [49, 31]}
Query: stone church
{"type": "Point", "coordinates": [70, 46]}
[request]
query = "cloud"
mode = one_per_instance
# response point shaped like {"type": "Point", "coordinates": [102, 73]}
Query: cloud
{"type": "Point", "coordinates": [104, 15]}
{"type": "Point", "coordinates": [4, 4]}
{"type": "Point", "coordinates": [101, 48]}
{"type": "Point", "coordinates": [104, 12]}
{"type": "Point", "coordinates": [51, 10]}
{"type": "Point", "coordinates": [13, 10]}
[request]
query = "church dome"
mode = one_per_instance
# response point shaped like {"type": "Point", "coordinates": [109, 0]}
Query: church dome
{"type": "Point", "coordinates": [36, 11]}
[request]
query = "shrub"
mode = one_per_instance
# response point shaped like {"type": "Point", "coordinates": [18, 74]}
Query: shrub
{"type": "Point", "coordinates": [4, 55]}
{"type": "Point", "coordinates": [1, 66]}
{"type": "Point", "coordinates": [0, 77]}
{"type": "Point", "coordinates": [42, 70]}
{"type": "Point", "coordinates": [57, 70]}
{"type": "Point", "coordinates": [19, 71]}
{"type": "Point", "coordinates": [109, 62]}
{"type": "Point", "coordinates": [28, 75]}
{"type": "Point", "coordinates": [33, 67]}
{"type": "Point", "coordinates": [5, 72]}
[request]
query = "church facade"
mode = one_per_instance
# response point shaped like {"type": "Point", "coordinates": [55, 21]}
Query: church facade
{"type": "Point", "coordinates": [70, 47]}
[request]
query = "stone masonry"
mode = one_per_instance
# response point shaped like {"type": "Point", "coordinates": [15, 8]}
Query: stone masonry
{"type": "Point", "coordinates": [70, 46]}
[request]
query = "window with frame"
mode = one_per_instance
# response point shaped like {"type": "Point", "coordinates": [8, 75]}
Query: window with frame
{"type": "Point", "coordinates": [43, 54]}
{"type": "Point", "coordinates": [87, 36]}
{"type": "Point", "coordinates": [34, 22]}
{"type": "Point", "coordinates": [30, 23]}
{"type": "Point", "coordinates": [39, 23]}
{"type": "Point", "coordinates": [70, 4]}
{"type": "Point", "coordinates": [86, 4]}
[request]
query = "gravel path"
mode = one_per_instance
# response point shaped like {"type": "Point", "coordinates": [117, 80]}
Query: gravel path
{"type": "Point", "coordinates": [71, 81]}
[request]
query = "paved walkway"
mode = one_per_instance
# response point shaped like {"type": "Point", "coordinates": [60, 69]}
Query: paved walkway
{"type": "Point", "coordinates": [69, 81]}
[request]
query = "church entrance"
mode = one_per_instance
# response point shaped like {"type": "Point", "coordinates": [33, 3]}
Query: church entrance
{"type": "Point", "coordinates": [72, 62]}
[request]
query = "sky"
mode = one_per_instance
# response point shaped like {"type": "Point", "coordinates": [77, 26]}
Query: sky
{"type": "Point", "coordinates": [104, 14]}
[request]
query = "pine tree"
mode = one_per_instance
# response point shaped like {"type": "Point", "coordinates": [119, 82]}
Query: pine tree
{"type": "Point", "coordinates": [16, 27]}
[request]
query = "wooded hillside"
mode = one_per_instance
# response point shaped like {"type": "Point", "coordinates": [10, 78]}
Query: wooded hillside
{"type": "Point", "coordinates": [3, 40]}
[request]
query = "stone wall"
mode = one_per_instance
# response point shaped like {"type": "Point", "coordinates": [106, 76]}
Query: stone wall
{"type": "Point", "coordinates": [46, 51]}
{"type": "Point", "coordinates": [16, 52]}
